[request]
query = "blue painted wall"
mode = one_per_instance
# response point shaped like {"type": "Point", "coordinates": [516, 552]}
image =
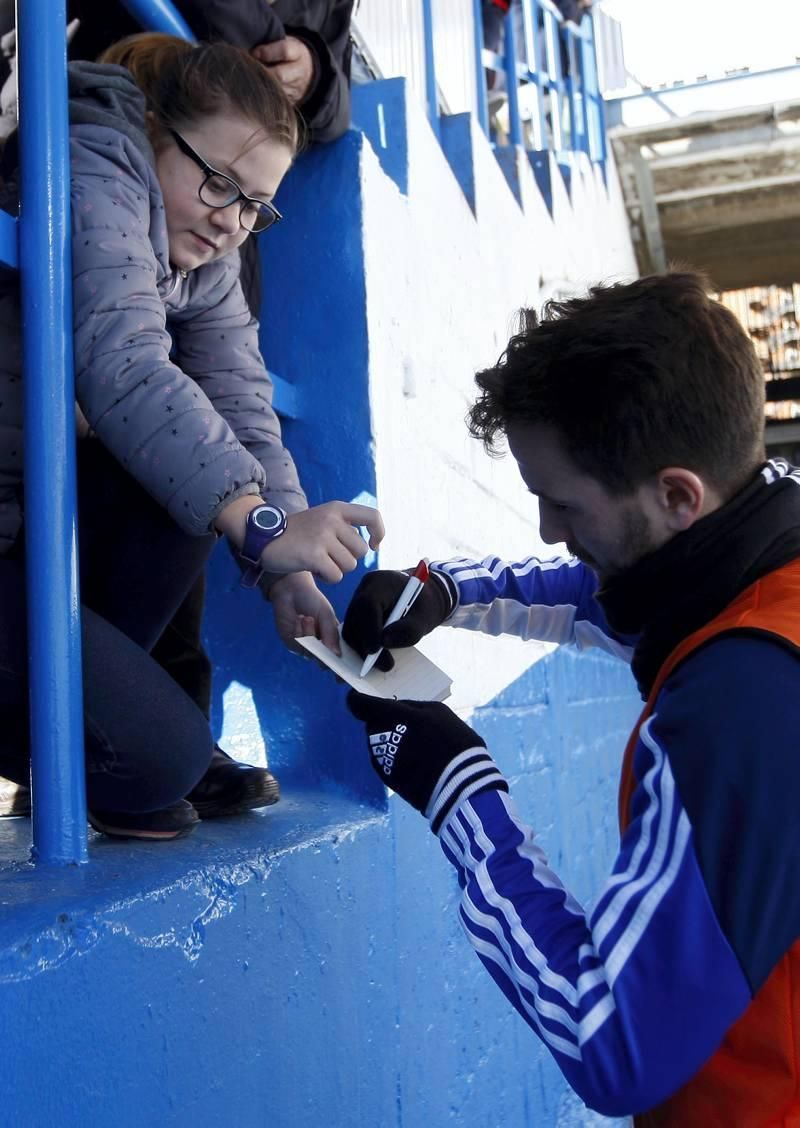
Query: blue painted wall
{"type": "Point", "coordinates": [303, 967]}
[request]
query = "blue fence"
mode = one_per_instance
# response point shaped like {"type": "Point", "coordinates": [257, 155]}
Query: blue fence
{"type": "Point", "coordinates": [44, 242]}
{"type": "Point", "coordinates": [548, 110]}
{"type": "Point", "coordinates": [548, 73]}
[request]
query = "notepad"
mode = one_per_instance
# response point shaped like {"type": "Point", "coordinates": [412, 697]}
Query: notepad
{"type": "Point", "coordinates": [413, 678]}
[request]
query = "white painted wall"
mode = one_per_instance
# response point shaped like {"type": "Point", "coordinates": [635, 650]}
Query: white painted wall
{"type": "Point", "coordinates": [442, 291]}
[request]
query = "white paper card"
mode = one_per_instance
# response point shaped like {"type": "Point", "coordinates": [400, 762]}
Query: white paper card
{"type": "Point", "coordinates": [414, 677]}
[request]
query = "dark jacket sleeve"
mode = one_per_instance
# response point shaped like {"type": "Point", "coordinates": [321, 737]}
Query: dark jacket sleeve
{"type": "Point", "coordinates": [217, 346]}
{"type": "Point", "coordinates": [241, 22]}
{"type": "Point", "coordinates": [324, 27]}
{"type": "Point", "coordinates": [152, 417]}
{"type": "Point", "coordinates": [326, 110]}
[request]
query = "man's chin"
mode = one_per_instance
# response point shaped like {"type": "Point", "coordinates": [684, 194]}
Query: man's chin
{"type": "Point", "coordinates": [585, 558]}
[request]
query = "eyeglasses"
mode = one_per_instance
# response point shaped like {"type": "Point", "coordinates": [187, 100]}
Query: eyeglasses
{"type": "Point", "coordinates": [217, 190]}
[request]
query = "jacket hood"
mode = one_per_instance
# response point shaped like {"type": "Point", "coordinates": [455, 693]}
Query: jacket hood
{"type": "Point", "coordinates": [105, 95]}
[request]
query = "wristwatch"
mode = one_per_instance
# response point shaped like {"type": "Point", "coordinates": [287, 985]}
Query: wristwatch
{"type": "Point", "coordinates": [265, 524]}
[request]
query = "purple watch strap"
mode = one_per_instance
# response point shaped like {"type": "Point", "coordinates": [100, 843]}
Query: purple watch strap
{"type": "Point", "coordinates": [256, 539]}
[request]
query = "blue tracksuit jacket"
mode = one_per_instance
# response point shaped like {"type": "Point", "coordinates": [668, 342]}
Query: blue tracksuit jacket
{"type": "Point", "coordinates": [633, 994]}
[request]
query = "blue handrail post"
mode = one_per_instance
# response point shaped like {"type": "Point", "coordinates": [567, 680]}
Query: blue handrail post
{"type": "Point", "coordinates": [512, 80]}
{"type": "Point", "coordinates": [594, 100]}
{"type": "Point", "coordinates": [159, 15]}
{"type": "Point", "coordinates": [586, 123]}
{"type": "Point", "coordinates": [571, 88]}
{"type": "Point", "coordinates": [431, 92]}
{"type": "Point", "coordinates": [588, 23]}
{"type": "Point", "coordinates": [54, 638]}
{"type": "Point", "coordinates": [480, 73]}
{"type": "Point", "coordinates": [536, 75]}
{"type": "Point", "coordinates": [552, 42]}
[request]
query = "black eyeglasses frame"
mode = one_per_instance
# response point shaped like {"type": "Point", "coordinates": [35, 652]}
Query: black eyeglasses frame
{"type": "Point", "coordinates": [241, 198]}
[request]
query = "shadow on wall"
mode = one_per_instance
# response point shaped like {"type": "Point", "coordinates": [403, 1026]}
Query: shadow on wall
{"type": "Point", "coordinates": [314, 336]}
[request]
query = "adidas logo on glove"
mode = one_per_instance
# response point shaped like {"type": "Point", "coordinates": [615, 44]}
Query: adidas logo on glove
{"type": "Point", "coordinates": [384, 746]}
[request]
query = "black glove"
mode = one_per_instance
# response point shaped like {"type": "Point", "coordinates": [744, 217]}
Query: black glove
{"type": "Point", "coordinates": [372, 603]}
{"type": "Point", "coordinates": [425, 753]}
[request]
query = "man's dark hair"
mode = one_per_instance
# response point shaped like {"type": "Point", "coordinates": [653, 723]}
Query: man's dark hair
{"type": "Point", "coordinates": [634, 378]}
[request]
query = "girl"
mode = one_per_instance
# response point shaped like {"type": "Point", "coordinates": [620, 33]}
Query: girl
{"type": "Point", "coordinates": [176, 156]}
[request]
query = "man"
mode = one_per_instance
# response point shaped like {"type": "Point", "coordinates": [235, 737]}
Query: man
{"type": "Point", "coordinates": [493, 17]}
{"type": "Point", "coordinates": [305, 43]}
{"type": "Point", "coordinates": [636, 418]}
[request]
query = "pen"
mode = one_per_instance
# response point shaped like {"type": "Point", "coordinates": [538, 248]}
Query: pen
{"type": "Point", "coordinates": [416, 582]}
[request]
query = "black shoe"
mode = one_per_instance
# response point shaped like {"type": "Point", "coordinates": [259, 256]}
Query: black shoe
{"type": "Point", "coordinates": [171, 822]}
{"type": "Point", "coordinates": [228, 788]}
{"type": "Point", "coordinates": [15, 799]}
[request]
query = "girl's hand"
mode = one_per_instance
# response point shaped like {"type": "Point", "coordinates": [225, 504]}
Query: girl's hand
{"type": "Point", "coordinates": [323, 540]}
{"type": "Point", "coordinates": [301, 609]}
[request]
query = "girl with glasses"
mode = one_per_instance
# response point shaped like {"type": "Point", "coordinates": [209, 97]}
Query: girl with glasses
{"type": "Point", "coordinates": [177, 152]}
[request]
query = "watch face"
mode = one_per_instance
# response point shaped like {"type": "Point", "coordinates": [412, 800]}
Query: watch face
{"type": "Point", "coordinates": [267, 519]}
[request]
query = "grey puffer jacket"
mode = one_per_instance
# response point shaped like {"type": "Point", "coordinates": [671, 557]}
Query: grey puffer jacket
{"type": "Point", "coordinates": [167, 368]}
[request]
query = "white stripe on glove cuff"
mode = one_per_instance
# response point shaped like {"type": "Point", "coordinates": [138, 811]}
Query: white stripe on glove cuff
{"type": "Point", "coordinates": [469, 773]}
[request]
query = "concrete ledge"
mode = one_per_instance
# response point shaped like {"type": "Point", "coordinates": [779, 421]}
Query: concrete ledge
{"type": "Point", "coordinates": [53, 913]}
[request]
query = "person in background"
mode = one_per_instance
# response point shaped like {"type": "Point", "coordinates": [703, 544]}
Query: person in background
{"type": "Point", "coordinates": [305, 44]}
{"type": "Point", "coordinates": [177, 152]}
{"type": "Point", "coordinates": [493, 15]}
{"type": "Point", "coordinates": [636, 416]}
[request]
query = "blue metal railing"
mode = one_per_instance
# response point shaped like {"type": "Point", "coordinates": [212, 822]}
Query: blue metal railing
{"type": "Point", "coordinates": [548, 109]}
{"type": "Point", "coordinates": [666, 95]}
{"type": "Point", "coordinates": [38, 244]}
{"type": "Point", "coordinates": [438, 45]}
{"type": "Point", "coordinates": [431, 92]}
{"type": "Point", "coordinates": [44, 256]}
{"type": "Point", "coordinates": [480, 74]}
{"type": "Point", "coordinates": [159, 15]}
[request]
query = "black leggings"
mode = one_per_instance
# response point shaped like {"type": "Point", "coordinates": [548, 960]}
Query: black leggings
{"type": "Point", "coordinates": [147, 742]}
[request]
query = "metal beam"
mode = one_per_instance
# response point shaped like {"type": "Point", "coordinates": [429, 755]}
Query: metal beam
{"type": "Point", "coordinates": [715, 121]}
{"type": "Point", "coordinates": [651, 225]}
{"type": "Point", "coordinates": [664, 91]}
{"type": "Point", "coordinates": [714, 191]}
{"type": "Point", "coordinates": [768, 149]}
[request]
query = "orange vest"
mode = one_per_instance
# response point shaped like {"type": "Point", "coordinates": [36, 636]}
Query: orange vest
{"type": "Point", "coordinates": [753, 1079]}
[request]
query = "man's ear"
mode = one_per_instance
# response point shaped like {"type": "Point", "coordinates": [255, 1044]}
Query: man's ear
{"type": "Point", "coordinates": [682, 498]}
